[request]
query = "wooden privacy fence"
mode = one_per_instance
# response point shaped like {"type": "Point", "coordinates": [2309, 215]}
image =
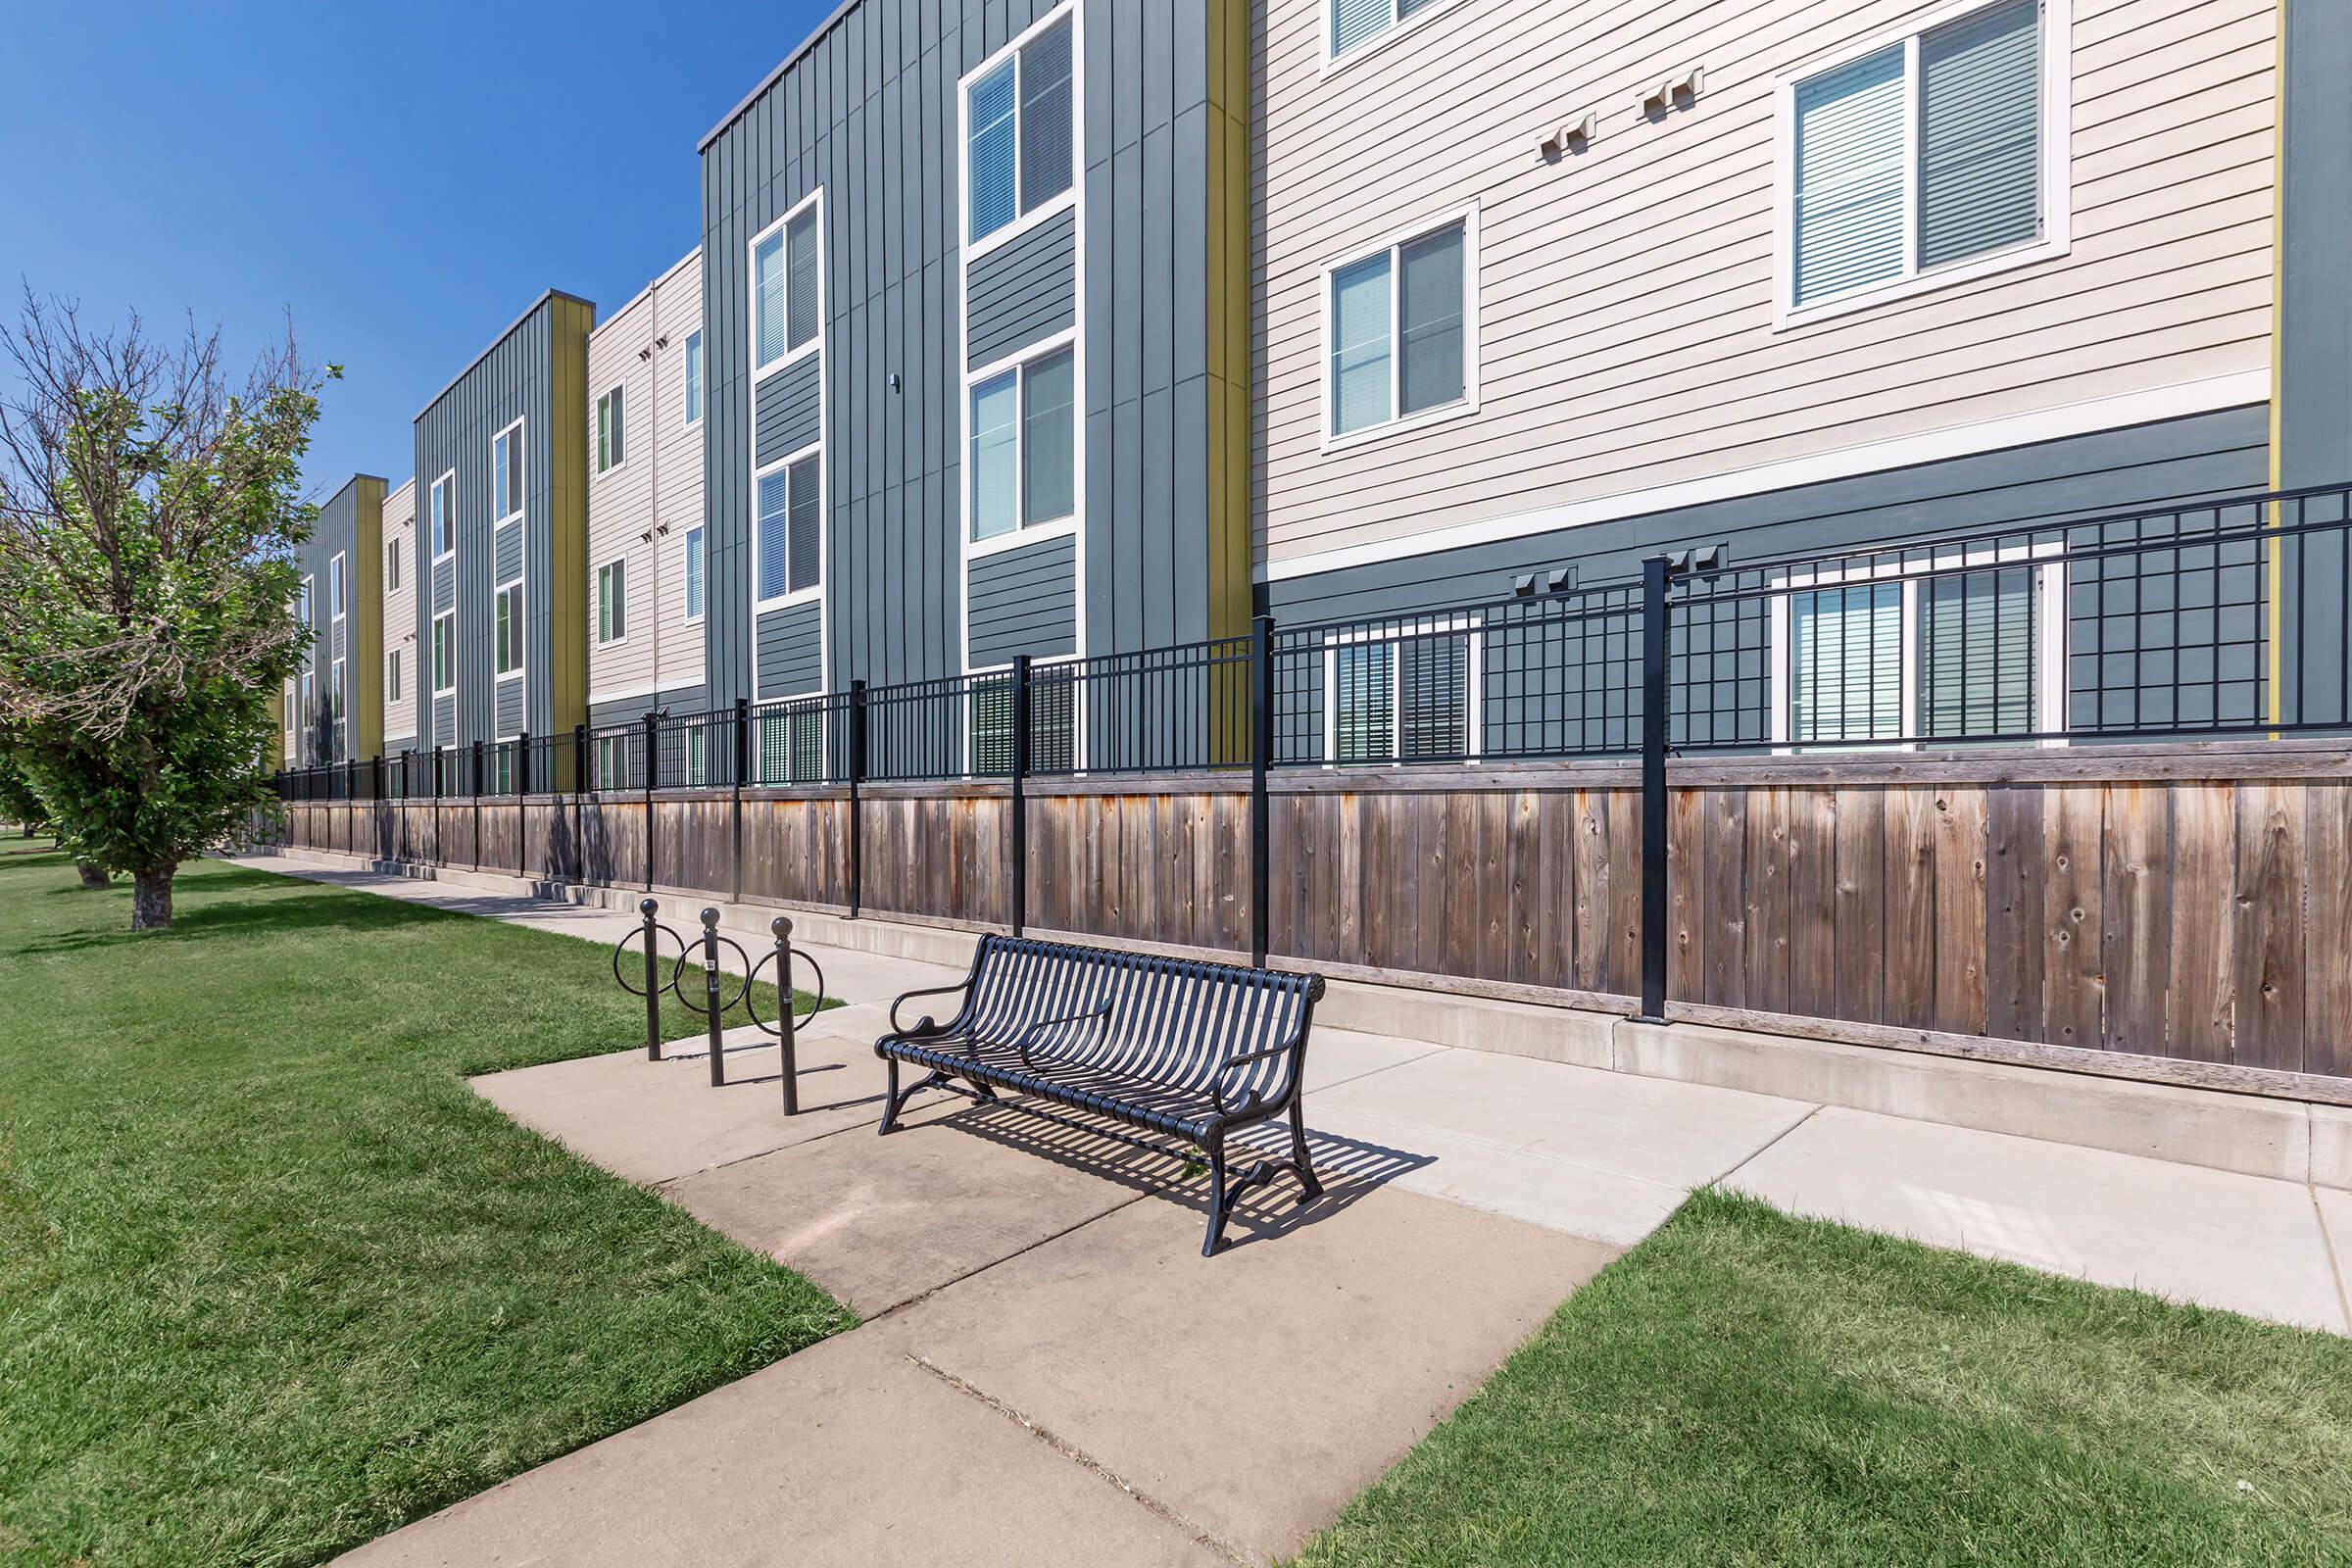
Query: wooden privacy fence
{"type": "Point", "coordinates": [2189, 905]}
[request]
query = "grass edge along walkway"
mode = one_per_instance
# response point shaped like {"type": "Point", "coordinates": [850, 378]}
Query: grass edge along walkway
{"type": "Point", "coordinates": [273, 1280]}
{"type": "Point", "coordinates": [1745, 1387]}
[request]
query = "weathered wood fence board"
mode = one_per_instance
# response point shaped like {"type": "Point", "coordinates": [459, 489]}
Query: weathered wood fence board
{"type": "Point", "coordinates": [2163, 910]}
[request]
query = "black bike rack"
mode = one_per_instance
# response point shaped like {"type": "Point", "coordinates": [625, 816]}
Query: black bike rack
{"type": "Point", "coordinates": [715, 1001]}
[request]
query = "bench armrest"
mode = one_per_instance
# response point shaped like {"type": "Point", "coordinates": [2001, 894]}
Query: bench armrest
{"type": "Point", "coordinates": [925, 1025]}
{"type": "Point", "coordinates": [1216, 1080]}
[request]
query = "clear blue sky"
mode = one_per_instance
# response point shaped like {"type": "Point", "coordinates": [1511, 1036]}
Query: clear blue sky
{"type": "Point", "coordinates": [405, 178]}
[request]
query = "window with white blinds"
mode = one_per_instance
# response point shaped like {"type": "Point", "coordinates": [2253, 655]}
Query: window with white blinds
{"type": "Point", "coordinates": [1846, 664]}
{"type": "Point", "coordinates": [1020, 131]}
{"type": "Point", "coordinates": [1918, 155]}
{"type": "Point", "coordinates": [785, 298]}
{"type": "Point", "coordinates": [693, 552]}
{"type": "Point", "coordinates": [1398, 330]}
{"type": "Point", "coordinates": [1934, 653]}
{"type": "Point", "coordinates": [1353, 22]}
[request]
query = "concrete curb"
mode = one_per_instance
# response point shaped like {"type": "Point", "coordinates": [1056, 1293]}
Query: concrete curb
{"type": "Point", "coordinates": [2289, 1139]}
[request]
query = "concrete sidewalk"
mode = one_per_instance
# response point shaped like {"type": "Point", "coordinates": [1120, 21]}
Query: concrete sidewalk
{"type": "Point", "coordinates": [1050, 1373]}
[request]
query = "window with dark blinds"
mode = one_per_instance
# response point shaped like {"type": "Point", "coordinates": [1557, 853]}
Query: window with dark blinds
{"type": "Point", "coordinates": [1980, 133]}
{"type": "Point", "coordinates": [1435, 671]}
{"type": "Point", "coordinates": [1977, 664]}
{"type": "Point", "coordinates": [807, 519]}
{"type": "Point", "coordinates": [1363, 702]}
{"type": "Point", "coordinates": [1045, 121]}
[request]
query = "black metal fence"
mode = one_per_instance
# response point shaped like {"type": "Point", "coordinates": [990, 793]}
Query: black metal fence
{"type": "Point", "coordinates": [2203, 618]}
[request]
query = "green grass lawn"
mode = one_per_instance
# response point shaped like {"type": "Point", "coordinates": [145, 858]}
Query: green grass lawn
{"type": "Point", "coordinates": [272, 1280]}
{"type": "Point", "coordinates": [1744, 1388]}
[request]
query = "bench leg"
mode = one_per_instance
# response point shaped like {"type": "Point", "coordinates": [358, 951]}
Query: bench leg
{"type": "Point", "coordinates": [1217, 1207]}
{"type": "Point", "coordinates": [1310, 1189]}
{"type": "Point", "coordinates": [899, 1096]}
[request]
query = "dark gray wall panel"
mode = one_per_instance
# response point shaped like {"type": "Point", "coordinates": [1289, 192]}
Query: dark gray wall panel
{"type": "Point", "coordinates": [445, 720]}
{"type": "Point", "coordinates": [791, 651]}
{"type": "Point", "coordinates": [509, 554]}
{"type": "Point", "coordinates": [509, 717]}
{"type": "Point", "coordinates": [1025, 601]}
{"type": "Point", "coordinates": [788, 415]}
{"type": "Point", "coordinates": [2114, 470]}
{"type": "Point", "coordinates": [511, 380]}
{"type": "Point", "coordinates": [677, 700]}
{"type": "Point", "coordinates": [1023, 290]}
{"type": "Point", "coordinates": [445, 589]}
{"type": "Point", "coordinates": [868, 109]}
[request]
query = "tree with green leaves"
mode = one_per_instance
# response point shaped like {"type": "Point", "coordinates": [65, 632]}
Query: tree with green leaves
{"type": "Point", "coordinates": [149, 513]}
{"type": "Point", "coordinates": [18, 803]}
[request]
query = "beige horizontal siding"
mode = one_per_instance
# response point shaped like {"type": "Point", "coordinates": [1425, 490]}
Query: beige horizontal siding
{"type": "Point", "coordinates": [400, 613]}
{"type": "Point", "coordinates": [658, 488]}
{"type": "Point", "coordinates": [1626, 292]}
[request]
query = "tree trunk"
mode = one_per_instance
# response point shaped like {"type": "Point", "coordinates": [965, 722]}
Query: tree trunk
{"type": "Point", "coordinates": [151, 899]}
{"type": "Point", "coordinates": [93, 876]}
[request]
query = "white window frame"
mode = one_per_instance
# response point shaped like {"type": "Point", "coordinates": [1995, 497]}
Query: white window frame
{"type": "Point", "coordinates": [392, 564]}
{"type": "Point", "coordinates": [596, 601]}
{"type": "Point", "coordinates": [1396, 637]}
{"type": "Point", "coordinates": [1019, 360]}
{"type": "Point", "coordinates": [694, 391]}
{"type": "Point", "coordinates": [335, 670]}
{"type": "Point", "coordinates": [514, 634]}
{"type": "Point", "coordinates": [791, 596]}
{"type": "Point", "coordinates": [450, 642]}
{"type": "Point", "coordinates": [611, 751]}
{"type": "Point", "coordinates": [686, 543]}
{"type": "Point", "coordinates": [618, 390]}
{"type": "Point", "coordinates": [305, 704]}
{"type": "Point", "coordinates": [338, 594]}
{"type": "Point", "coordinates": [441, 516]}
{"type": "Point", "coordinates": [1462, 408]}
{"type": "Point", "coordinates": [760, 370]}
{"type": "Point", "coordinates": [512, 435]}
{"type": "Point", "coordinates": [392, 674]}
{"type": "Point", "coordinates": [1910, 568]}
{"type": "Point", "coordinates": [1398, 27]}
{"type": "Point", "coordinates": [1061, 201]}
{"type": "Point", "coordinates": [2057, 167]}
{"type": "Point", "coordinates": [302, 607]}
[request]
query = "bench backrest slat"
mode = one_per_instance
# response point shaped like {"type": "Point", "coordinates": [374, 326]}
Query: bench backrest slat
{"type": "Point", "coordinates": [1171, 1021]}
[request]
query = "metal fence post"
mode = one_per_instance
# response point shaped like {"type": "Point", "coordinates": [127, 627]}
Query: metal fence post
{"type": "Point", "coordinates": [653, 752]}
{"type": "Point", "coordinates": [857, 789]}
{"type": "Point", "coordinates": [477, 805]}
{"type": "Point", "coordinates": [1655, 913]}
{"type": "Point", "coordinates": [743, 752]}
{"type": "Point", "coordinates": [791, 1062]}
{"type": "Point", "coordinates": [1261, 804]}
{"type": "Point", "coordinates": [522, 763]}
{"type": "Point", "coordinates": [579, 790]}
{"type": "Point", "coordinates": [711, 997]}
{"type": "Point", "coordinates": [652, 984]}
{"type": "Point", "coordinates": [1018, 806]}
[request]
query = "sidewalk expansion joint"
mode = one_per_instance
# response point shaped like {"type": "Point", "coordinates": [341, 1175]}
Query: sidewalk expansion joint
{"type": "Point", "coordinates": [1086, 1461]}
{"type": "Point", "coordinates": [2335, 1261]}
{"type": "Point", "coordinates": [1769, 1144]}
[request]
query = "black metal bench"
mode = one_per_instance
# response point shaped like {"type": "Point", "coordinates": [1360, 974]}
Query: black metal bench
{"type": "Point", "coordinates": [1190, 1051]}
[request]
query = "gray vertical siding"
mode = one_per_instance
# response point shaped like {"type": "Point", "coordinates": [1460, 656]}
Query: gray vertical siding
{"type": "Point", "coordinates": [787, 415]}
{"type": "Point", "coordinates": [514, 378]}
{"type": "Point", "coordinates": [1023, 290]}
{"type": "Point", "coordinates": [1025, 601]}
{"type": "Point", "coordinates": [336, 532]}
{"type": "Point", "coordinates": [868, 110]}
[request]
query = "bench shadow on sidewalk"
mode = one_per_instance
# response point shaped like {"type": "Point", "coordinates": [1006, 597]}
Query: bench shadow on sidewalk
{"type": "Point", "coordinates": [1350, 1168]}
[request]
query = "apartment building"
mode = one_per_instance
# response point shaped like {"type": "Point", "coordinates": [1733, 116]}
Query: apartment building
{"type": "Point", "coordinates": [334, 705]}
{"type": "Point", "coordinates": [647, 583]}
{"type": "Point", "coordinates": [1787, 278]}
{"type": "Point", "coordinates": [502, 514]}
{"type": "Point", "coordinates": [975, 284]}
{"type": "Point", "coordinates": [400, 670]}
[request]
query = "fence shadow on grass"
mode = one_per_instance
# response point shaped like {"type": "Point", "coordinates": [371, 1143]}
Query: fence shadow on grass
{"type": "Point", "coordinates": [1350, 1168]}
{"type": "Point", "coordinates": [308, 912]}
